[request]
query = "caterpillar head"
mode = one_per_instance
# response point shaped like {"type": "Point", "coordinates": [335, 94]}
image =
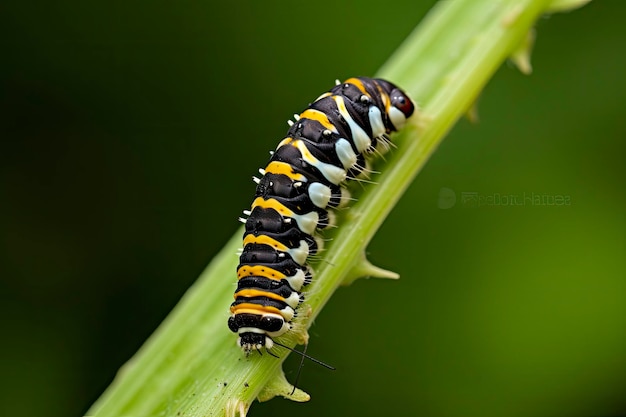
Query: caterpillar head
{"type": "Point", "coordinates": [399, 107]}
{"type": "Point", "coordinates": [256, 330]}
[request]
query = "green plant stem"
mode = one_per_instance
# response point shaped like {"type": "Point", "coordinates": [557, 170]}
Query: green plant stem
{"type": "Point", "coordinates": [191, 364]}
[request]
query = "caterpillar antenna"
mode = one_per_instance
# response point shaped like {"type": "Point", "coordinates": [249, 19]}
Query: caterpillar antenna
{"type": "Point", "coordinates": [295, 382]}
{"type": "Point", "coordinates": [304, 355]}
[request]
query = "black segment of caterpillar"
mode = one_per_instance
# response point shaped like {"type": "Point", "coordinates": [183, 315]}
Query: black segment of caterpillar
{"type": "Point", "coordinates": [325, 146]}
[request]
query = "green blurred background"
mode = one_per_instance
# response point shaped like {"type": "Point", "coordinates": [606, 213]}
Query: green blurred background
{"type": "Point", "coordinates": [129, 134]}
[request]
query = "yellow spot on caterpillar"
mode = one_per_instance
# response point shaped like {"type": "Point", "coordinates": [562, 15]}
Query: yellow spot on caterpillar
{"type": "Point", "coordinates": [306, 154]}
{"type": "Point", "coordinates": [264, 240]}
{"type": "Point", "coordinates": [259, 271]}
{"type": "Point", "coordinates": [358, 83]}
{"type": "Point", "coordinates": [317, 115]}
{"type": "Point", "coordinates": [258, 293]}
{"type": "Point", "coordinates": [276, 167]}
{"type": "Point", "coordinates": [253, 309]}
{"type": "Point", "coordinates": [272, 204]}
{"type": "Point", "coordinates": [384, 97]}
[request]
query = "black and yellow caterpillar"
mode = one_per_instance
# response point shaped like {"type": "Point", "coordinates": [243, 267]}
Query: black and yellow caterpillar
{"type": "Point", "coordinates": [326, 145]}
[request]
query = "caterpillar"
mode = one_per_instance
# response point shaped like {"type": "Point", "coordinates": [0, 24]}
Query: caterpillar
{"type": "Point", "coordinates": [329, 143]}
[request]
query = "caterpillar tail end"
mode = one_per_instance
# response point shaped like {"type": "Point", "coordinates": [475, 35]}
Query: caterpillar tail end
{"type": "Point", "coordinates": [365, 269]}
{"type": "Point", "coordinates": [279, 386]}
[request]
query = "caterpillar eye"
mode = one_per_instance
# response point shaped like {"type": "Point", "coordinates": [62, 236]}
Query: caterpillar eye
{"type": "Point", "coordinates": [400, 101]}
{"type": "Point", "coordinates": [365, 99]}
